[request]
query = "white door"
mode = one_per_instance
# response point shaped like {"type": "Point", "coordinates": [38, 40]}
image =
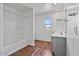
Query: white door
{"type": "Point", "coordinates": [73, 35]}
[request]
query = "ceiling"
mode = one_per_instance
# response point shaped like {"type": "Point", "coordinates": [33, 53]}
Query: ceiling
{"type": "Point", "coordinates": [48, 7]}
{"type": "Point", "coordinates": [17, 6]}
{"type": "Point", "coordinates": [43, 7]}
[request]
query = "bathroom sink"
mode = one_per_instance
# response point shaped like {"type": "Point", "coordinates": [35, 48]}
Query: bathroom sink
{"type": "Point", "coordinates": [59, 34]}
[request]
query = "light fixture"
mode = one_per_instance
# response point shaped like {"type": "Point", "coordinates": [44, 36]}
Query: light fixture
{"type": "Point", "coordinates": [48, 6]}
{"type": "Point", "coordinates": [56, 6]}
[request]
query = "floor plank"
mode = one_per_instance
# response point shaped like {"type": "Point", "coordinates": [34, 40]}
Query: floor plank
{"type": "Point", "coordinates": [41, 48]}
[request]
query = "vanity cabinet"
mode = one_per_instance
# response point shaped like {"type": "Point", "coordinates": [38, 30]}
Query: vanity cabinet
{"type": "Point", "coordinates": [59, 46]}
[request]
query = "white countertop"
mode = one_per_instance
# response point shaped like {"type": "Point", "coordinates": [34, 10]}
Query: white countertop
{"type": "Point", "coordinates": [59, 34]}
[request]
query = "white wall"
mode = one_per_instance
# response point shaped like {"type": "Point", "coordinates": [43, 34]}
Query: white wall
{"type": "Point", "coordinates": [18, 28]}
{"type": "Point", "coordinates": [40, 30]}
{"type": "Point", "coordinates": [1, 16]}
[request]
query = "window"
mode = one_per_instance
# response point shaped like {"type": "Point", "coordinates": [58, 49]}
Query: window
{"type": "Point", "coordinates": [48, 23]}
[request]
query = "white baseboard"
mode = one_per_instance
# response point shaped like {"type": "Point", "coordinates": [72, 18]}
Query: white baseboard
{"type": "Point", "coordinates": [14, 47]}
{"type": "Point", "coordinates": [44, 40]}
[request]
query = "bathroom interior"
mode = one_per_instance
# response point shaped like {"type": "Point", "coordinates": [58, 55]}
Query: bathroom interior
{"type": "Point", "coordinates": [26, 24]}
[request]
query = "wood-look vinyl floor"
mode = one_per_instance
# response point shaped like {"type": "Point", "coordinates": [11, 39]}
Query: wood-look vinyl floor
{"type": "Point", "coordinates": [41, 48]}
